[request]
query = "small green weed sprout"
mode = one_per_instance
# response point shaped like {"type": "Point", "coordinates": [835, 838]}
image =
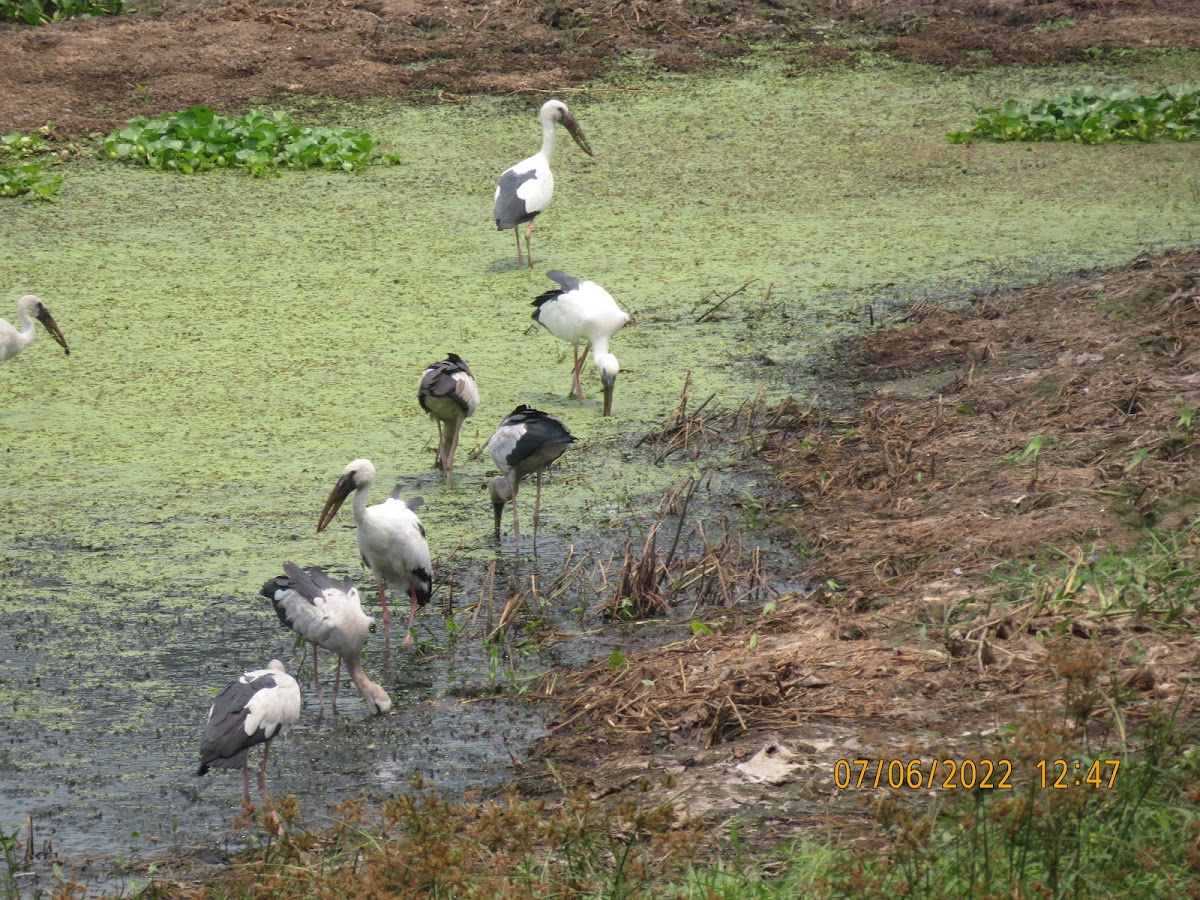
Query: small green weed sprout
{"type": "Point", "coordinates": [1185, 417]}
{"type": "Point", "coordinates": [261, 142]}
{"type": "Point", "coordinates": [1090, 116]}
{"type": "Point", "coordinates": [1032, 451]}
{"type": "Point", "coordinates": [1054, 24]}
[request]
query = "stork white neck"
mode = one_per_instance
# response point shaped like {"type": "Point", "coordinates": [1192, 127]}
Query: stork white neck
{"type": "Point", "coordinates": [360, 498]}
{"type": "Point", "coordinates": [368, 688]}
{"type": "Point", "coordinates": [25, 308]}
{"type": "Point", "coordinates": [549, 136]}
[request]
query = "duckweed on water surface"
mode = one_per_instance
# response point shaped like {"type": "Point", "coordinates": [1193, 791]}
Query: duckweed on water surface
{"type": "Point", "coordinates": [235, 342]}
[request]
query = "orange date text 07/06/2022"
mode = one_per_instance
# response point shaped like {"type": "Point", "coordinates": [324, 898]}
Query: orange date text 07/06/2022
{"type": "Point", "coordinates": [969, 774]}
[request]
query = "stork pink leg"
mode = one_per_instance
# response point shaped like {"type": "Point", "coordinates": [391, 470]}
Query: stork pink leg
{"type": "Point", "coordinates": [246, 781]}
{"type": "Point", "coordinates": [517, 234]}
{"type": "Point", "coordinates": [580, 359]}
{"type": "Point", "coordinates": [454, 432]}
{"type": "Point", "coordinates": [337, 678]}
{"type": "Point", "coordinates": [387, 619]}
{"type": "Point", "coordinates": [317, 678]}
{"type": "Point", "coordinates": [537, 510]}
{"type": "Point", "coordinates": [441, 463]}
{"type": "Point", "coordinates": [528, 235]}
{"type": "Point", "coordinates": [516, 523]}
{"type": "Point", "coordinates": [262, 772]}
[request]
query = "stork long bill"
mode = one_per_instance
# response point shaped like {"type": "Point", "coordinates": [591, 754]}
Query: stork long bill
{"type": "Point", "coordinates": [51, 326]}
{"type": "Point", "coordinates": [609, 382]}
{"type": "Point", "coordinates": [577, 133]}
{"type": "Point", "coordinates": [343, 489]}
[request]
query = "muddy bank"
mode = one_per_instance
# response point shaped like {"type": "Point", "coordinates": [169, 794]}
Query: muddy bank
{"type": "Point", "coordinates": [169, 54]}
{"type": "Point", "coordinates": [906, 510]}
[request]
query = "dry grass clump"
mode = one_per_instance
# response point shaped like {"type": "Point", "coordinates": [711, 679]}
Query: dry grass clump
{"type": "Point", "coordinates": [420, 845]}
{"type": "Point", "coordinates": [713, 687]}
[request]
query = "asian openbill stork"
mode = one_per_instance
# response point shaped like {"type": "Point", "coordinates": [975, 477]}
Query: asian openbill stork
{"type": "Point", "coordinates": [449, 394]}
{"type": "Point", "coordinates": [527, 441]}
{"type": "Point", "coordinates": [583, 311]}
{"type": "Point", "coordinates": [13, 340]}
{"type": "Point", "coordinates": [255, 709]}
{"type": "Point", "coordinates": [391, 541]}
{"type": "Point", "coordinates": [328, 614]}
{"type": "Point", "coordinates": [525, 189]}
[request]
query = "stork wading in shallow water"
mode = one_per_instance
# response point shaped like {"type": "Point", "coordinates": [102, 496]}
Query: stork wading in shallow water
{"type": "Point", "coordinates": [449, 394]}
{"type": "Point", "coordinates": [583, 311]}
{"type": "Point", "coordinates": [391, 541]}
{"type": "Point", "coordinates": [255, 709]}
{"type": "Point", "coordinates": [14, 340]}
{"type": "Point", "coordinates": [527, 441]}
{"type": "Point", "coordinates": [525, 189]}
{"type": "Point", "coordinates": [328, 614]}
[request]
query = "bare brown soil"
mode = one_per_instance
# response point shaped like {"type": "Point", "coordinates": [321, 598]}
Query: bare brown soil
{"type": "Point", "coordinates": [94, 75]}
{"type": "Point", "coordinates": [907, 506]}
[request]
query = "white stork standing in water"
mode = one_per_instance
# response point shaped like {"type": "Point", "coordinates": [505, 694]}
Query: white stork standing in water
{"type": "Point", "coordinates": [391, 541]}
{"type": "Point", "coordinates": [528, 440]}
{"type": "Point", "coordinates": [13, 340]}
{"type": "Point", "coordinates": [449, 394]}
{"type": "Point", "coordinates": [255, 709]}
{"type": "Point", "coordinates": [328, 614]}
{"type": "Point", "coordinates": [583, 311]}
{"type": "Point", "coordinates": [525, 189]}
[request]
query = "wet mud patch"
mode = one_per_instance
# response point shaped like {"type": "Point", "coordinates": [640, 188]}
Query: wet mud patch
{"type": "Point", "coordinates": [913, 513]}
{"type": "Point", "coordinates": [94, 75]}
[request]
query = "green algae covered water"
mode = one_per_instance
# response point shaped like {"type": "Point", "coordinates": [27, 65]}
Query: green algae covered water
{"type": "Point", "coordinates": [235, 342]}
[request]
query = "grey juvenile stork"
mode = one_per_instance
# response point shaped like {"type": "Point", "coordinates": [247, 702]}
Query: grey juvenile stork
{"type": "Point", "coordinates": [527, 441]}
{"type": "Point", "coordinates": [328, 614]}
{"type": "Point", "coordinates": [449, 394]}
{"type": "Point", "coordinates": [583, 311]}
{"type": "Point", "coordinates": [13, 340]}
{"type": "Point", "coordinates": [391, 540]}
{"type": "Point", "coordinates": [255, 709]}
{"type": "Point", "coordinates": [525, 189]}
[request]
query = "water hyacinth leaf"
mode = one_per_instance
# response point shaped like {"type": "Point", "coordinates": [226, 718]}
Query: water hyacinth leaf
{"type": "Point", "coordinates": [261, 141]}
{"type": "Point", "coordinates": [1091, 116]}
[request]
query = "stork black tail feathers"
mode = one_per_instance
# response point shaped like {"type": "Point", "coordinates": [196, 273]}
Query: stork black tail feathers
{"type": "Point", "coordinates": [422, 585]}
{"type": "Point", "coordinates": [269, 590]}
{"type": "Point", "coordinates": [203, 770]}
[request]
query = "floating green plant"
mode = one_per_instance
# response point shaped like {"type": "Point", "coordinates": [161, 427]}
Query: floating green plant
{"type": "Point", "coordinates": [28, 178]}
{"type": "Point", "coordinates": [38, 12]}
{"type": "Point", "coordinates": [261, 141]}
{"type": "Point", "coordinates": [1090, 116]}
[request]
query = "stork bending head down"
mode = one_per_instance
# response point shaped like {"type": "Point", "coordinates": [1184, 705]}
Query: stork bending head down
{"type": "Point", "coordinates": [583, 311]}
{"type": "Point", "coordinates": [526, 442]}
{"type": "Point", "coordinates": [328, 614]}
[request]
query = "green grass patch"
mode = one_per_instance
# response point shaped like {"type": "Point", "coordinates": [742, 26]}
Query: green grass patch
{"type": "Point", "coordinates": [1156, 583]}
{"type": "Point", "coordinates": [261, 141]}
{"type": "Point", "coordinates": [1090, 116]}
{"type": "Point", "coordinates": [38, 12]}
{"type": "Point", "coordinates": [28, 178]}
